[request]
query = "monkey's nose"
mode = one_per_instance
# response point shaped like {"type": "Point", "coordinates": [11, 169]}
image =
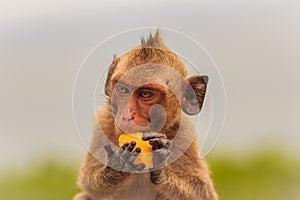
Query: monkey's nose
{"type": "Point", "coordinates": [127, 118]}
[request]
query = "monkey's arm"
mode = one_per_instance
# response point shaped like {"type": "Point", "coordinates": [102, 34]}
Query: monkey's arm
{"type": "Point", "coordinates": [100, 180]}
{"type": "Point", "coordinates": [170, 182]}
{"type": "Point", "coordinates": [185, 179]}
{"type": "Point", "coordinates": [97, 179]}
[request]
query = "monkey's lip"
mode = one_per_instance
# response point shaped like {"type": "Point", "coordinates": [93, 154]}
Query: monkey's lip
{"type": "Point", "coordinates": [130, 128]}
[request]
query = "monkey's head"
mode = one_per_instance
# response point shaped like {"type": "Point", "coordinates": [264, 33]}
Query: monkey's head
{"type": "Point", "coordinates": [148, 88]}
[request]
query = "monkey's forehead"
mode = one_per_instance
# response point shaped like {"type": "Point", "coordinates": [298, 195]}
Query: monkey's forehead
{"type": "Point", "coordinates": [149, 73]}
{"type": "Point", "coordinates": [151, 57]}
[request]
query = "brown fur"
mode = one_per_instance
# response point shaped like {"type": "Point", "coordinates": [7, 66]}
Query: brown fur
{"type": "Point", "coordinates": [187, 178]}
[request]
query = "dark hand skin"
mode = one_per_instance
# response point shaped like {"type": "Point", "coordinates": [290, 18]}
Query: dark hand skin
{"type": "Point", "coordinates": [161, 151]}
{"type": "Point", "coordinates": [122, 159]}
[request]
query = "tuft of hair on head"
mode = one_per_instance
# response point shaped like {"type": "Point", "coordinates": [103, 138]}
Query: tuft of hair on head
{"type": "Point", "coordinates": [155, 41]}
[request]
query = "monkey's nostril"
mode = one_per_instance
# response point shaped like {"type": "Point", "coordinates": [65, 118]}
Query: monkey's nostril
{"type": "Point", "coordinates": [130, 118]}
{"type": "Point", "coordinates": [127, 118]}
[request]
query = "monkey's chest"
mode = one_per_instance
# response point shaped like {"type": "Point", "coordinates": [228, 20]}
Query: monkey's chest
{"type": "Point", "coordinates": [138, 187]}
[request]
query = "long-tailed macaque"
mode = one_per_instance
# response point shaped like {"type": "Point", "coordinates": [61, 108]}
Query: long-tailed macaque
{"type": "Point", "coordinates": [147, 91]}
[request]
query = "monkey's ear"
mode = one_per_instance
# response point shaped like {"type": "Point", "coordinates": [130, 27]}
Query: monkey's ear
{"type": "Point", "coordinates": [111, 70]}
{"type": "Point", "coordinates": [193, 94]}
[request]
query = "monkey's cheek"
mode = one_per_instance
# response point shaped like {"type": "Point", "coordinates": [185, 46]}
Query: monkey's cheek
{"type": "Point", "coordinates": [116, 126]}
{"type": "Point", "coordinates": [158, 117]}
{"type": "Point", "coordinates": [157, 125]}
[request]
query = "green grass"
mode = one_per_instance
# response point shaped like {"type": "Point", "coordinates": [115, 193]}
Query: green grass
{"type": "Point", "coordinates": [265, 176]}
{"type": "Point", "coordinates": [49, 180]}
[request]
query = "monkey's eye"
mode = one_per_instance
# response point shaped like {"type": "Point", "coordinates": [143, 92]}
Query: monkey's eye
{"type": "Point", "coordinates": [145, 93]}
{"type": "Point", "coordinates": [122, 89]}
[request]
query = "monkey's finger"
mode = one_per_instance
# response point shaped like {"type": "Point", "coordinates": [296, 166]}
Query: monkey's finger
{"type": "Point", "coordinates": [167, 153]}
{"type": "Point", "coordinates": [134, 155]}
{"type": "Point", "coordinates": [168, 146]}
{"type": "Point", "coordinates": [121, 150]}
{"type": "Point", "coordinates": [160, 157]}
{"type": "Point", "coordinates": [138, 167]}
{"type": "Point", "coordinates": [158, 143]}
{"type": "Point", "coordinates": [131, 146]}
{"type": "Point", "coordinates": [126, 154]}
{"type": "Point", "coordinates": [151, 135]}
{"type": "Point", "coordinates": [162, 153]}
{"type": "Point", "coordinates": [124, 145]}
{"type": "Point", "coordinates": [108, 150]}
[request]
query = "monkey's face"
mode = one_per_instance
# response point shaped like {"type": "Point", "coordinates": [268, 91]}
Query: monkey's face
{"type": "Point", "coordinates": [139, 109]}
{"type": "Point", "coordinates": [142, 100]}
{"type": "Point", "coordinates": [150, 97]}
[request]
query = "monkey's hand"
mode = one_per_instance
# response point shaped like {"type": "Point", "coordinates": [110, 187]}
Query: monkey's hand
{"type": "Point", "coordinates": [122, 159]}
{"type": "Point", "coordinates": [161, 149]}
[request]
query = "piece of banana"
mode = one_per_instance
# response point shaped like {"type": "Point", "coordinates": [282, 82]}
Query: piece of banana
{"type": "Point", "coordinates": [146, 149]}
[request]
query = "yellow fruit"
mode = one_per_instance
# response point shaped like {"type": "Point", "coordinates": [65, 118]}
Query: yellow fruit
{"type": "Point", "coordinates": [146, 149]}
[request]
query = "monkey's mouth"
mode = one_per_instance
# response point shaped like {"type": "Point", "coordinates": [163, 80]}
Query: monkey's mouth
{"type": "Point", "coordinates": [132, 128]}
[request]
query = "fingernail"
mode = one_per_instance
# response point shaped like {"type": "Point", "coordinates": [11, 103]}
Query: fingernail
{"type": "Point", "coordinates": [138, 150]}
{"type": "Point", "coordinates": [132, 142]}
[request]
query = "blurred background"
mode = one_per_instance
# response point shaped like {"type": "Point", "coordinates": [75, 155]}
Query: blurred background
{"type": "Point", "coordinates": [256, 45]}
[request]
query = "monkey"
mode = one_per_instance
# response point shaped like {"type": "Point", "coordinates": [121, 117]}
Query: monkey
{"type": "Point", "coordinates": [147, 91]}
